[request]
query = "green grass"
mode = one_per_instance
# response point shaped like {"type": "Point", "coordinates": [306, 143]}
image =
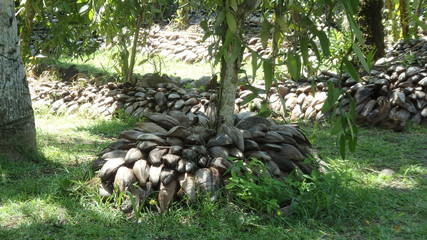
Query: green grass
{"type": "Point", "coordinates": [100, 63]}
{"type": "Point", "coordinates": [47, 198]}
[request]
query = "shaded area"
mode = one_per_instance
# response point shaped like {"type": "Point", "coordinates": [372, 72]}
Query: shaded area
{"type": "Point", "coordinates": [48, 199]}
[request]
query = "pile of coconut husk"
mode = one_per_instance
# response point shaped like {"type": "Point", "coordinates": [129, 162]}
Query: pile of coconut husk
{"type": "Point", "coordinates": [170, 156]}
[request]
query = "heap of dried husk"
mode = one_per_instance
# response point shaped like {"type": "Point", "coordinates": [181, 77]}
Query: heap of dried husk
{"type": "Point", "coordinates": [170, 156]}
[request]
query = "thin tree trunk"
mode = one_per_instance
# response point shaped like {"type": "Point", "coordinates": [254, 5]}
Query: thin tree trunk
{"type": "Point", "coordinates": [404, 18]}
{"type": "Point", "coordinates": [370, 21]}
{"type": "Point", "coordinates": [129, 75]}
{"type": "Point", "coordinates": [17, 129]}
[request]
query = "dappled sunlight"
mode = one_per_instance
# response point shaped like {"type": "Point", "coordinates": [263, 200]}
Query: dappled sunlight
{"type": "Point", "coordinates": [24, 213]}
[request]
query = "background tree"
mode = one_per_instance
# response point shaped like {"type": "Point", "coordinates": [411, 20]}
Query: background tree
{"type": "Point", "coordinates": [370, 22]}
{"type": "Point", "coordinates": [17, 127]}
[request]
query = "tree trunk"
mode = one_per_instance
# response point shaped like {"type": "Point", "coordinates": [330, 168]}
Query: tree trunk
{"type": "Point", "coordinates": [17, 129]}
{"type": "Point", "coordinates": [404, 18]}
{"type": "Point", "coordinates": [370, 21]}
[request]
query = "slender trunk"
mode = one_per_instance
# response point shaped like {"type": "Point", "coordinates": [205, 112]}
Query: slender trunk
{"type": "Point", "coordinates": [227, 93]}
{"type": "Point", "coordinates": [182, 13]}
{"type": "Point", "coordinates": [276, 34]}
{"type": "Point", "coordinates": [17, 130]}
{"type": "Point", "coordinates": [370, 21]}
{"type": "Point", "coordinates": [129, 74]}
{"type": "Point", "coordinates": [404, 18]}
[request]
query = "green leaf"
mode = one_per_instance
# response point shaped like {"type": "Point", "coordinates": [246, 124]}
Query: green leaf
{"type": "Point", "coordinates": [265, 33]}
{"type": "Point", "coordinates": [83, 9]}
{"type": "Point", "coordinates": [220, 19]}
{"type": "Point", "coordinates": [352, 143]}
{"type": "Point", "coordinates": [264, 111]}
{"type": "Point", "coordinates": [361, 57]}
{"type": "Point", "coordinates": [237, 48]}
{"type": "Point", "coordinates": [324, 42]}
{"type": "Point", "coordinates": [268, 74]}
{"type": "Point", "coordinates": [333, 95]}
{"type": "Point", "coordinates": [249, 99]}
{"type": "Point", "coordinates": [351, 70]}
{"type": "Point", "coordinates": [256, 90]}
{"type": "Point", "coordinates": [204, 25]}
{"type": "Point", "coordinates": [233, 5]}
{"type": "Point", "coordinates": [294, 65]}
{"type": "Point", "coordinates": [304, 50]}
{"type": "Point", "coordinates": [338, 127]}
{"type": "Point", "coordinates": [342, 146]}
{"type": "Point", "coordinates": [231, 22]}
{"type": "Point", "coordinates": [254, 62]}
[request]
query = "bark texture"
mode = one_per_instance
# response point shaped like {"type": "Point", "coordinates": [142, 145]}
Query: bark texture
{"type": "Point", "coordinates": [370, 21]}
{"type": "Point", "coordinates": [17, 129]}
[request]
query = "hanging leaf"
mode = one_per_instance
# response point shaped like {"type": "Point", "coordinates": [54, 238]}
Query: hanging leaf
{"type": "Point", "coordinates": [361, 57]}
{"type": "Point", "coordinates": [231, 22]}
{"type": "Point", "coordinates": [83, 9]}
{"type": "Point", "coordinates": [304, 50]}
{"type": "Point", "coordinates": [268, 74]}
{"type": "Point", "coordinates": [338, 126]}
{"type": "Point", "coordinates": [256, 90]}
{"type": "Point", "coordinates": [294, 65]}
{"type": "Point", "coordinates": [265, 110]}
{"type": "Point", "coordinates": [351, 70]}
{"type": "Point", "coordinates": [254, 63]}
{"type": "Point", "coordinates": [233, 5]}
{"type": "Point", "coordinates": [248, 99]}
{"type": "Point", "coordinates": [342, 146]}
{"type": "Point", "coordinates": [265, 33]}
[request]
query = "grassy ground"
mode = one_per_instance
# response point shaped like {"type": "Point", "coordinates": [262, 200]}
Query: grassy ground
{"type": "Point", "coordinates": [46, 198]}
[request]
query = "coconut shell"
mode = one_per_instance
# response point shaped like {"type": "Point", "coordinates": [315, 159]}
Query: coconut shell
{"type": "Point", "coordinates": [166, 194]}
{"type": "Point", "coordinates": [124, 178]}
{"type": "Point", "coordinates": [141, 169]}
{"type": "Point", "coordinates": [188, 185]}
{"type": "Point", "coordinates": [109, 169]}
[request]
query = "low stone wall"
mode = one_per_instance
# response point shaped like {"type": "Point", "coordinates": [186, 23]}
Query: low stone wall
{"type": "Point", "coordinates": [392, 95]}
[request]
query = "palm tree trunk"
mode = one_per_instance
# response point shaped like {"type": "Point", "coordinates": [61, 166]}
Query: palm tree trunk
{"type": "Point", "coordinates": [17, 129]}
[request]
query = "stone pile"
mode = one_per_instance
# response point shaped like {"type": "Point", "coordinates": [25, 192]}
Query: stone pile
{"type": "Point", "coordinates": [189, 47]}
{"type": "Point", "coordinates": [168, 156]}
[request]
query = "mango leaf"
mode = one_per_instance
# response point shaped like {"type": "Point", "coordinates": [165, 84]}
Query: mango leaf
{"type": "Point", "coordinates": [338, 126]}
{"type": "Point", "coordinates": [352, 143]}
{"type": "Point", "coordinates": [361, 57]}
{"type": "Point", "coordinates": [264, 111]}
{"type": "Point", "coordinates": [256, 90]}
{"type": "Point", "coordinates": [248, 99]}
{"type": "Point", "coordinates": [268, 74]}
{"type": "Point", "coordinates": [333, 95]}
{"type": "Point", "coordinates": [294, 65]}
{"type": "Point", "coordinates": [233, 5]}
{"type": "Point", "coordinates": [219, 19]}
{"type": "Point", "coordinates": [315, 49]}
{"type": "Point", "coordinates": [231, 22]}
{"type": "Point", "coordinates": [237, 48]}
{"type": "Point", "coordinates": [351, 70]}
{"type": "Point", "coordinates": [265, 33]}
{"type": "Point", "coordinates": [204, 25]}
{"type": "Point", "coordinates": [83, 9]}
{"type": "Point", "coordinates": [342, 146]}
{"type": "Point", "coordinates": [324, 42]}
{"type": "Point", "coordinates": [254, 62]}
{"type": "Point", "coordinates": [304, 50]}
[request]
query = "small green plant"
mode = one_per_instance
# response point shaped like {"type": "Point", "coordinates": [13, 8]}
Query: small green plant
{"type": "Point", "coordinates": [251, 186]}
